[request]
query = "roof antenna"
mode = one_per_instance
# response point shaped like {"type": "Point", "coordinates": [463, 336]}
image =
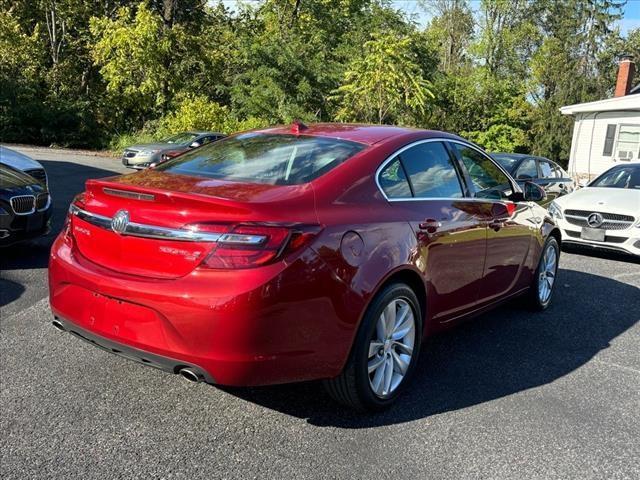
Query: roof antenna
{"type": "Point", "coordinates": [297, 126]}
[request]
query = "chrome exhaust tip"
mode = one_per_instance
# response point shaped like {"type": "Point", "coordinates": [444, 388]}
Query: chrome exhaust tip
{"type": "Point", "coordinates": [57, 324]}
{"type": "Point", "coordinates": [190, 375]}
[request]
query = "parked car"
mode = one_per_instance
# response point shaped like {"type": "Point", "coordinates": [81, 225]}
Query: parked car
{"type": "Point", "coordinates": [24, 163]}
{"type": "Point", "coordinates": [25, 206]}
{"type": "Point", "coordinates": [606, 213]}
{"type": "Point", "coordinates": [539, 170]}
{"type": "Point", "coordinates": [288, 254]}
{"type": "Point", "coordinates": [143, 155]}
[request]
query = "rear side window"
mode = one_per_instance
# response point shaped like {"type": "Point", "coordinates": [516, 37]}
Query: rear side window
{"type": "Point", "coordinates": [431, 171]}
{"type": "Point", "coordinates": [264, 158]}
{"type": "Point", "coordinates": [557, 171]}
{"type": "Point", "coordinates": [546, 169]}
{"type": "Point", "coordinates": [393, 180]}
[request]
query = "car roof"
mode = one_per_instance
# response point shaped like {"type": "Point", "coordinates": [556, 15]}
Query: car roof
{"type": "Point", "coordinates": [518, 156]}
{"type": "Point", "coordinates": [361, 133]}
{"type": "Point", "coordinates": [206, 133]}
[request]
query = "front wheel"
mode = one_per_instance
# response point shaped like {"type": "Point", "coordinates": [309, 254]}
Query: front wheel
{"type": "Point", "coordinates": [384, 354]}
{"type": "Point", "coordinates": [544, 280]}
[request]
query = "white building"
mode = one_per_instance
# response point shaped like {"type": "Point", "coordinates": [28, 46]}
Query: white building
{"type": "Point", "coordinates": [606, 132]}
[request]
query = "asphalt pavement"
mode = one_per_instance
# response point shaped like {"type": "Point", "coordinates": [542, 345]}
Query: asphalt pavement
{"type": "Point", "coordinates": [509, 395]}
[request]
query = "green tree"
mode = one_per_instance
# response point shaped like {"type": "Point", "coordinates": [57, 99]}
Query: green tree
{"type": "Point", "coordinates": [385, 84]}
{"type": "Point", "coordinates": [132, 52]}
{"type": "Point", "coordinates": [20, 60]}
{"type": "Point", "coordinates": [450, 32]}
{"type": "Point", "coordinates": [567, 68]}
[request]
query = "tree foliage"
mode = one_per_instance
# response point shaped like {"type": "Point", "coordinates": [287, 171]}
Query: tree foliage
{"type": "Point", "coordinates": [385, 84]}
{"type": "Point", "coordinates": [86, 72]}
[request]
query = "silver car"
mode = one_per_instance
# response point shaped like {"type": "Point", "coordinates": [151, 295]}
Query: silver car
{"type": "Point", "coordinates": [144, 155]}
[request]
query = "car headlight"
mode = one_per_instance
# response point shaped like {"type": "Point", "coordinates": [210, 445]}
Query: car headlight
{"type": "Point", "coordinates": [554, 210]}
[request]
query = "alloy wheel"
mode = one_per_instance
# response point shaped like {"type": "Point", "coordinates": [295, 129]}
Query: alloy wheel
{"type": "Point", "coordinates": [547, 273]}
{"type": "Point", "coordinates": [391, 349]}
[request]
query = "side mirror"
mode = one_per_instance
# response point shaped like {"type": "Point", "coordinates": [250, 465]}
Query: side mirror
{"type": "Point", "coordinates": [533, 192]}
{"type": "Point", "coordinates": [194, 145]}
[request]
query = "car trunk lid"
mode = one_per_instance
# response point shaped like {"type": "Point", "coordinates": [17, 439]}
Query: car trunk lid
{"type": "Point", "coordinates": [159, 205]}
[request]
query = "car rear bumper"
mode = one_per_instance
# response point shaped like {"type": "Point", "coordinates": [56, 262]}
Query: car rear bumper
{"type": "Point", "coordinates": [242, 327]}
{"type": "Point", "coordinates": [167, 364]}
{"type": "Point", "coordinates": [627, 241]}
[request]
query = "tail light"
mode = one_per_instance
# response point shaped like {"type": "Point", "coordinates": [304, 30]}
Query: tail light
{"type": "Point", "coordinates": [247, 245]}
{"type": "Point", "coordinates": [78, 201]}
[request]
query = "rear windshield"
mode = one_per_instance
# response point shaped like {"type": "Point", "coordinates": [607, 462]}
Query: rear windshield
{"type": "Point", "coordinates": [264, 158]}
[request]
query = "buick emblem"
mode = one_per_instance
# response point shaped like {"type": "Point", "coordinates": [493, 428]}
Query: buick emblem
{"type": "Point", "coordinates": [120, 221]}
{"type": "Point", "coordinates": [595, 220]}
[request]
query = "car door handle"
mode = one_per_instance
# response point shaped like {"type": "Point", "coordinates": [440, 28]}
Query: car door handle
{"type": "Point", "coordinates": [496, 224]}
{"type": "Point", "coordinates": [430, 225]}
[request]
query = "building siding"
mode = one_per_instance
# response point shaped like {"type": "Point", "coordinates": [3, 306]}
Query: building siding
{"type": "Point", "coordinates": [589, 132]}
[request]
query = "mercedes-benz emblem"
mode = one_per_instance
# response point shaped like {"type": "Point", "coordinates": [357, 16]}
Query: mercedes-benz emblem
{"type": "Point", "coordinates": [595, 220]}
{"type": "Point", "coordinates": [120, 221]}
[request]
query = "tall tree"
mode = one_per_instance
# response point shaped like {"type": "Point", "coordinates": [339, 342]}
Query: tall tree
{"type": "Point", "coordinates": [384, 85]}
{"type": "Point", "coordinates": [450, 31]}
{"type": "Point", "coordinates": [565, 70]}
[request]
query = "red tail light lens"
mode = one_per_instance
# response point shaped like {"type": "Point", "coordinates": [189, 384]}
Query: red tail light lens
{"type": "Point", "coordinates": [247, 246]}
{"type": "Point", "coordinates": [78, 201]}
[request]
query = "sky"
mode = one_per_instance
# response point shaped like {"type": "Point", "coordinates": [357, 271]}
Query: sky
{"type": "Point", "coordinates": [630, 20]}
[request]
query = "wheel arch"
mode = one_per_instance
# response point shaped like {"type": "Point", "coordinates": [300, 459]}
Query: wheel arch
{"type": "Point", "coordinates": [411, 277]}
{"type": "Point", "coordinates": [555, 233]}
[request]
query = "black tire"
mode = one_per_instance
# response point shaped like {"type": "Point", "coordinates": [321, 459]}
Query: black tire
{"type": "Point", "coordinates": [352, 387]}
{"type": "Point", "coordinates": [535, 303]}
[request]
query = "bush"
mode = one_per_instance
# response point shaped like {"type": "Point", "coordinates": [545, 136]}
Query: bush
{"type": "Point", "coordinates": [500, 138]}
{"type": "Point", "coordinates": [199, 113]}
{"type": "Point", "coordinates": [119, 142]}
{"type": "Point", "coordinates": [192, 113]}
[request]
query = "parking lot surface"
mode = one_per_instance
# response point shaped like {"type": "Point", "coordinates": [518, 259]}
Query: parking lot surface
{"type": "Point", "coordinates": [511, 394]}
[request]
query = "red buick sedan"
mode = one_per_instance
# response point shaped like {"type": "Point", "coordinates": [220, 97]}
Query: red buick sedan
{"type": "Point", "coordinates": [298, 253]}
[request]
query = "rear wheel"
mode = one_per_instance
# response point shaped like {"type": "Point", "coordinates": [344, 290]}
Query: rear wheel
{"type": "Point", "coordinates": [544, 280]}
{"type": "Point", "coordinates": [385, 352]}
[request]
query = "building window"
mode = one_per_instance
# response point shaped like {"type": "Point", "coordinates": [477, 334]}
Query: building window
{"type": "Point", "coordinates": [608, 140]}
{"type": "Point", "coordinates": [628, 147]}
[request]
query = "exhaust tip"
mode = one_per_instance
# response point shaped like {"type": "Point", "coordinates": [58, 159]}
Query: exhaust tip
{"type": "Point", "coordinates": [57, 324]}
{"type": "Point", "coordinates": [190, 375]}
